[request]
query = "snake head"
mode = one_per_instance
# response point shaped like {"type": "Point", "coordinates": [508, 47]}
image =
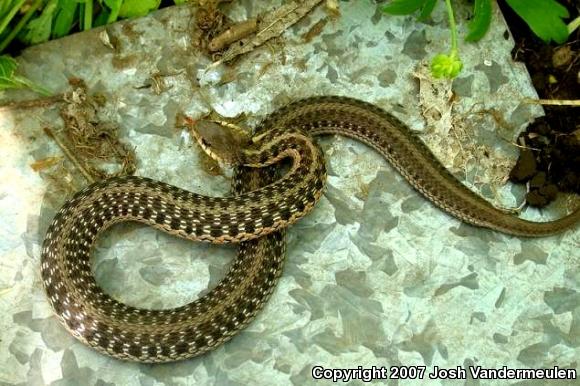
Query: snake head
{"type": "Point", "coordinates": [221, 141]}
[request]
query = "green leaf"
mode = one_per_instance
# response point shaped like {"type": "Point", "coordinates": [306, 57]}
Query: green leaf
{"type": "Point", "coordinates": [7, 66]}
{"type": "Point", "coordinates": [8, 10]}
{"type": "Point", "coordinates": [178, 2]}
{"type": "Point", "coordinates": [403, 7]}
{"type": "Point", "coordinates": [6, 6]}
{"type": "Point", "coordinates": [427, 10]}
{"type": "Point", "coordinates": [544, 17]}
{"type": "Point", "coordinates": [101, 18]}
{"type": "Point", "coordinates": [38, 30]}
{"type": "Point", "coordinates": [114, 6]}
{"type": "Point", "coordinates": [138, 8]}
{"type": "Point", "coordinates": [479, 25]}
{"type": "Point", "coordinates": [446, 66]}
{"type": "Point", "coordinates": [8, 83]}
{"type": "Point", "coordinates": [9, 79]}
{"type": "Point", "coordinates": [87, 16]}
{"type": "Point", "coordinates": [65, 16]}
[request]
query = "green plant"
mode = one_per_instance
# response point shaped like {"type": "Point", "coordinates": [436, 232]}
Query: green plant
{"type": "Point", "coordinates": [544, 17]}
{"type": "Point", "coordinates": [9, 78]}
{"type": "Point", "coordinates": [36, 21]}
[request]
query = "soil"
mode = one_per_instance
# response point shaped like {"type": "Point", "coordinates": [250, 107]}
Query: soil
{"type": "Point", "coordinates": [549, 159]}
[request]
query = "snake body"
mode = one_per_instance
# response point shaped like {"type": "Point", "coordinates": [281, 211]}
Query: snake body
{"type": "Point", "coordinates": [263, 204]}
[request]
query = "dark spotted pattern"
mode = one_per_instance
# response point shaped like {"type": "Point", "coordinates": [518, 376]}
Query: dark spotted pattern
{"type": "Point", "coordinates": [263, 204]}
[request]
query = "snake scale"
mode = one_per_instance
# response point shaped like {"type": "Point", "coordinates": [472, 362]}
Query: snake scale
{"type": "Point", "coordinates": [264, 202]}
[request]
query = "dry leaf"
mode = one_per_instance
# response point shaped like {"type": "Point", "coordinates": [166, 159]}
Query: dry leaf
{"type": "Point", "coordinates": [105, 38]}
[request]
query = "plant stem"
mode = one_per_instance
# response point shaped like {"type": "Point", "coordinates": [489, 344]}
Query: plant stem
{"type": "Point", "coordinates": [10, 15]}
{"type": "Point", "coordinates": [452, 27]}
{"type": "Point", "coordinates": [70, 155]}
{"type": "Point", "coordinates": [33, 103]}
{"type": "Point", "coordinates": [571, 26]}
{"type": "Point", "coordinates": [37, 88]}
{"type": "Point", "coordinates": [20, 24]}
{"type": "Point", "coordinates": [88, 19]}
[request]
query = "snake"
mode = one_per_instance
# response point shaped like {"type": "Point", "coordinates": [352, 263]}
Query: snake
{"type": "Point", "coordinates": [280, 176]}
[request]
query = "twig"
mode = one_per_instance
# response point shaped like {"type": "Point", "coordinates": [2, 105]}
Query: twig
{"type": "Point", "coordinates": [523, 147]}
{"type": "Point", "coordinates": [5, 290]}
{"type": "Point", "coordinates": [234, 33]}
{"type": "Point", "coordinates": [33, 103]}
{"type": "Point", "coordinates": [553, 102]}
{"type": "Point", "coordinates": [69, 155]}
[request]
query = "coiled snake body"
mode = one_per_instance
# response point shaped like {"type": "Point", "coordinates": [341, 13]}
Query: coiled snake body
{"type": "Point", "coordinates": [262, 206]}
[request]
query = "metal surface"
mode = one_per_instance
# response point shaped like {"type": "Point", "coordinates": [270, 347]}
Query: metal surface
{"type": "Point", "coordinates": [374, 276]}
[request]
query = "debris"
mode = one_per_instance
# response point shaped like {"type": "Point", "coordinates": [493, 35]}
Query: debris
{"type": "Point", "coordinates": [209, 21]}
{"type": "Point", "coordinates": [45, 163]}
{"type": "Point", "coordinates": [69, 155]}
{"type": "Point", "coordinates": [105, 38]}
{"type": "Point", "coordinates": [332, 8]}
{"type": "Point", "coordinates": [89, 142]}
{"type": "Point", "coordinates": [562, 56]}
{"type": "Point", "coordinates": [233, 33]}
{"type": "Point", "coordinates": [553, 102]}
{"type": "Point", "coordinates": [33, 103]}
{"type": "Point", "coordinates": [315, 30]}
{"type": "Point", "coordinates": [452, 139]}
{"type": "Point", "coordinates": [229, 76]}
{"type": "Point", "coordinates": [4, 291]}
{"type": "Point", "coordinates": [272, 25]}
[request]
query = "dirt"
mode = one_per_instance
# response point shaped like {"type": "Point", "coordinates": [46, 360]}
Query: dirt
{"type": "Point", "coordinates": [549, 160]}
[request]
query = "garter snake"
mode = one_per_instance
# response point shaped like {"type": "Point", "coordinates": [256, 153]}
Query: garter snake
{"type": "Point", "coordinates": [263, 204]}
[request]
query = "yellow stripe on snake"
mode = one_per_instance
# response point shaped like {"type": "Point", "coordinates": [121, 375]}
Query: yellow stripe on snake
{"type": "Point", "coordinates": [262, 205]}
